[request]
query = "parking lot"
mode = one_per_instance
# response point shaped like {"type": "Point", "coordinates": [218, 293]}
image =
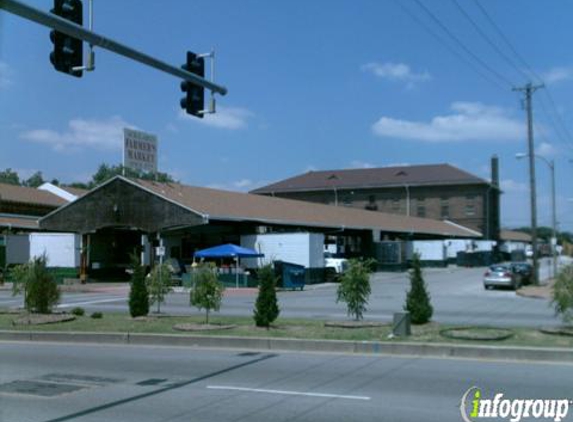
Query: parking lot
{"type": "Point", "coordinates": [457, 295]}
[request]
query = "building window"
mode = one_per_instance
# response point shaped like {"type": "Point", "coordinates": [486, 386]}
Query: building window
{"type": "Point", "coordinates": [421, 210]}
{"type": "Point", "coordinates": [470, 210]}
{"type": "Point", "coordinates": [395, 204]}
{"type": "Point", "coordinates": [346, 201]}
{"type": "Point", "coordinates": [445, 211]}
{"type": "Point", "coordinates": [371, 205]}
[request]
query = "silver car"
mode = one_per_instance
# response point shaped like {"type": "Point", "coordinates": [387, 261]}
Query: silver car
{"type": "Point", "coordinates": [501, 275]}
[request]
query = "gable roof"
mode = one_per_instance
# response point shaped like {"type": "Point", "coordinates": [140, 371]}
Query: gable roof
{"type": "Point", "coordinates": [515, 236]}
{"type": "Point", "coordinates": [22, 194]}
{"type": "Point", "coordinates": [215, 204]}
{"type": "Point", "coordinates": [432, 174]}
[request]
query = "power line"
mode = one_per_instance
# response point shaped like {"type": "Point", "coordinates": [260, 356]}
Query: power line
{"type": "Point", "coordinates": [507, 42]}
{"type": "Point", "coordinates": [488, 40]}
{"type": "Point", "coordinates": [462, 45]}
{"type": "Point", "coordinates": [558, 123]}
{"type": "Point", "coordinates": [441, 40]}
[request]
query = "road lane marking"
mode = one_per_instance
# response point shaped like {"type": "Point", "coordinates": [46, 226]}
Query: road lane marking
{"type": "Point", "coordinates": [91, 302]}
{"type": "Point", "coordinates": [288, 393]}
{"type": "Point", "coordinates": [106, 406]}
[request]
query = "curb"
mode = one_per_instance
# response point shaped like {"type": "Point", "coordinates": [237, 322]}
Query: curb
{"type": "Point", "coordinates": [438, 350]}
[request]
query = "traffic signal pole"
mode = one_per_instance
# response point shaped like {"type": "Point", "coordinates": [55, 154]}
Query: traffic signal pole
{"type": "Point", "coordinates": [69, 28]}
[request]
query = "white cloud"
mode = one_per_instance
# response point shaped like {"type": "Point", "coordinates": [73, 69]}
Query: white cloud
{"type": "Point", "coordinates": [5, 75]}
{"type": "Point", "coordinates": [96, 134]}
{"type": "Point", "coordinates": [468, 122]}
{"type": "Point", "coordinates": [396, 72]}
{"type": "Point", "coordinates": [511, 186]}
{"type": "Point", "coordinates": [231, 118]}
{"type": "Point", "coordinates": [357, 164]}
{"type": "Point", "coordinates": [557, 74]}
{"type": "Point", "coordinates": [546, 150]}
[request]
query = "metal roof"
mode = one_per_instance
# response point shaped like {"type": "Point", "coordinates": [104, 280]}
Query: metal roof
{"type": "Point", "coordinates": [22, 194]}
{"type": "Point", "coordinates": [216, 204]}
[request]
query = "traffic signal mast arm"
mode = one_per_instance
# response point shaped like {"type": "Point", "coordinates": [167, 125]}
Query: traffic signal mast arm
{"type": "Point", "coordinates": [77, 31]}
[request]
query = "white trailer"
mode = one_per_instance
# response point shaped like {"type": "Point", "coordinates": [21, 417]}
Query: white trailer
{"type": "Point", "coordinates": [61, 249]}
{"type": "Point", "coordinates": [298, 248]}
{"type": "Point", "coordinates": [429, 250]}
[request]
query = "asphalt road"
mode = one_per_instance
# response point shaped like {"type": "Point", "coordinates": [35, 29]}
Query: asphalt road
{"type": "Point", "coordinates": [457, 295]}
{"type": "Point", "coordinates": [64, 382]}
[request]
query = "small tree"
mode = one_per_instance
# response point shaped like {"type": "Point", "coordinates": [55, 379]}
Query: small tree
{"type": "Point", "coordinates": [354, 288]}
{"type": "Point", "coordinates": [563, 294]}
{"type": "Point", "coordinates": [138, 295]}
{"type": "Point", "coordinates": [41, 292]}
{"type": "Point", "coordinates": [418, 299]}
{"type": "Point", "coordinates": [266, 307]}
{"type": "Point", "coordinates": [207, 292]}
{"type": "Point", "coordinates": [158, 285]}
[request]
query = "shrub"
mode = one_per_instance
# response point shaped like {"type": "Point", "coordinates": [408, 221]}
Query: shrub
{"type": "Point", "coordinates": [354, 288]}
{"type": "Point", "coordinates": [266, 307]}
{"type": "Point", "coordinates": [563, 294]}
{"type": "Point", "coordinates": [158, 285]}
{"type": "Point", "coordinates": [138, 296]}
{"type": "Point", "coordinates": [96, 315]}
{"type": "Point", "coordinates": [40, 290]}
{"type": "Point", "coordinates": [78, 311]}
{"type": "Point", "coordinates": [207, 292]}
{"type": "Point", "coordinates": [418, 299]}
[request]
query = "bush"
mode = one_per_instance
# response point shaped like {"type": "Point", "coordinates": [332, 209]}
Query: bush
{"type": "Point", "coordinates": [207, 292]}
{"type": "Point", "coordinates": [266, 307]}
{"type": "Point", "coordinates": [159, 285]}
{"type": "Point", "coordinates": [138, 296]}
{"type": "Point", "coordinates": [78, 311]}
{"type": "Point", "coordinates": [96, 315]}
{"type": "Point", "coordinates": [354, 288]}
{"type": "Point", "coordinates": [40, 290]}
{"type": "Point", "coordinates": [563, 294]}
{"type": "Point", "coordinates": [418, 299]}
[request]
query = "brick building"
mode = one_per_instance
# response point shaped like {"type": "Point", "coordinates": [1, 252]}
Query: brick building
{"type": "Point", "coordinates": [437, 191]}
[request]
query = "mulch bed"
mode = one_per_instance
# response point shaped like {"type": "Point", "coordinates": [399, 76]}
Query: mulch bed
{"type": "Point", "coordinates": [477, 333]}
{"type": "Point", "coordinates": [40, 319]}
{"type": "Point", "coordinates": [202, 327]}
{"type": "Point", "coordinates": [559, 331]}
{"type": "Point", "coordinates": [354, 324]}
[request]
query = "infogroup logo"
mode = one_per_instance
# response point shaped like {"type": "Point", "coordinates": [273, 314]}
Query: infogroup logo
{"type": "Point", "coordinates": [474, 407]}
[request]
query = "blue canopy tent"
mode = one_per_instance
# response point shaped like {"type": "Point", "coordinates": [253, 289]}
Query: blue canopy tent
{"type": "Point", "coordinates": [229, 251]}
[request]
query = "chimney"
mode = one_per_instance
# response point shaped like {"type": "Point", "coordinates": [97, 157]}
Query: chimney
{"type": "Point", "coordinates": [495, 171]}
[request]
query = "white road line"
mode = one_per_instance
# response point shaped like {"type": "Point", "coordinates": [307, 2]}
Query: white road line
{"type": "Point", "coordinates": [91, 302]}
{"type": "Point", "coordinates": [288, 393]}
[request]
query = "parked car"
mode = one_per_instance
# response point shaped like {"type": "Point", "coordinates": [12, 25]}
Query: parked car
{"type": "Point", "coordinates": [525, 270]}
{"type": "Point", "coordinates": [501, 275]}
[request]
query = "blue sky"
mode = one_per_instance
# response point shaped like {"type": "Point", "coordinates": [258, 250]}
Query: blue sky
{"type": "Point", "coordinates": [312, 85]}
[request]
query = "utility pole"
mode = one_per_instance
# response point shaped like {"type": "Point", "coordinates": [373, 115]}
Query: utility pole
{"type": "Point", "coordinates": [529, 89]}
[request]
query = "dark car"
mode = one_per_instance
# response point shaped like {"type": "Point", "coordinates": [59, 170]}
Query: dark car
{"type": "Point", "coordinates": [525, 270]}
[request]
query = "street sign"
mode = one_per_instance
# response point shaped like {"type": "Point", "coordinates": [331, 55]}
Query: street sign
{"type": "Point", "coordinates": [139, 150]}
{"type": "Point", "coordinates": [160, 251]}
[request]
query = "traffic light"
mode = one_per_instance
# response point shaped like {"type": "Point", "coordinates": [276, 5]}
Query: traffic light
{"type": "Point", "coordinates": [194, 100]}
{"type": "Point", "coordinates": [68, 51]}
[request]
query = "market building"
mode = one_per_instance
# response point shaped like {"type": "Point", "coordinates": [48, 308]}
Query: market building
{"type": "Point", "coordinates": [125, 215]}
